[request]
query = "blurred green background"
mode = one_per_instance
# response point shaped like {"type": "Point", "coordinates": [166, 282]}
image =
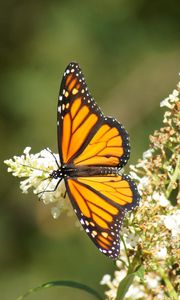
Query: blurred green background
{"type": "Point", "coordinates": [129, 51]}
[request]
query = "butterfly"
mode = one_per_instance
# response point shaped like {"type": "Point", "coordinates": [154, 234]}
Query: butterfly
{"type": "Point", "coordinates": [92, 149]}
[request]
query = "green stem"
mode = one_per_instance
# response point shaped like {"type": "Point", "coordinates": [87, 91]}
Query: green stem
{"type": "Point", "coordinates": [170, 289]}
{"type": "Point", "coordinates": [123, 262]}
{"type": "Point", "coordinates": [65, 283]}
{"type": "Point", "coordinates": [125, 248]}
{"type": "Point", "coordinates": [173, 178]}
{"type": "Point", "coordinates": [135, 263]}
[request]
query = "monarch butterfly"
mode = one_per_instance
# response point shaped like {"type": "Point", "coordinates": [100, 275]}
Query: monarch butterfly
{"type": "Point", "coordinates": [93, 148]}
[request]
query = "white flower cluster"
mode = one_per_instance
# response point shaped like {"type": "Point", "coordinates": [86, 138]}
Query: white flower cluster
{"type": "Point", "coordinates": [136, 290]}
{"type": "Point", "coordinates": [36, 168]}
{"type": "Point", "coordinates": [168, 102]}
{"type": "Point", "coordinates": [168, 218]}
{"type": "Point", "coordinates": [172, 223]}
{"type": "Point", "coordinates": [130, 236]}
{"type": "Point", "coordinates": [160, 199]}
{"type": "Point", "coordinates": [148, 290]}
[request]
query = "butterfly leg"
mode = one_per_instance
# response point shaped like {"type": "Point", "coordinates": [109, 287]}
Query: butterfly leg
{"type": "Point", "coordinates": [49, 191]}
{"type": "Point", "coordinates": [64, 196]}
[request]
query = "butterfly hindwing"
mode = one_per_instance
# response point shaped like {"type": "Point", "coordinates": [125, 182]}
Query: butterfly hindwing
{"type": "Point", "coordinates": [100, 204]}
{"type": "Point", "coordinates": [85, 135]}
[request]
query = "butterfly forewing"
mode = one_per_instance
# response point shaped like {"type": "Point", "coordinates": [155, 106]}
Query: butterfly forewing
{"type": "Point", "coordinates": [85, 135]}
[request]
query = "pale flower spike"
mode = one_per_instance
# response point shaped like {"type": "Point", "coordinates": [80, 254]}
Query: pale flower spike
{"type": "Point", "coordinates": [36, 168]}
{"type": "Point", "coordinates": [150, 235]}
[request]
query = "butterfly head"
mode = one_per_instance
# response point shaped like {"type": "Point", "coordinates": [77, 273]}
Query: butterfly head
{"type": "Point", "coordinates": [57, 174]}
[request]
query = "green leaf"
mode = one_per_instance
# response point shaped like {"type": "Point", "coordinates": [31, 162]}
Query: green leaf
{"type": "Point", "coordinates": [66, 283]}
{"type": "Point", "coordinates": [140, 272]}
{"type": "Point", "coordinates": [127, 281]}
{"type": "Point", "coordinates": [124, 286]}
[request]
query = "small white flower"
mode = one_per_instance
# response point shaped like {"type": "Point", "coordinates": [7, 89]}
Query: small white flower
{"type": "Point", "coordinates": [131, 240]}
{"type": "Point", "coordinates": [144, 182]}
{"type": "Point", "coordinates": [172, 222]}
{"type": "Point", "coordinates": [25, 185]}
{"type": "Point", "coordinates": [166, 103]}
{"type": "Point", "coordinates": [141, 164]}
{"type": "Point", "coordinates": [133, 175]}
{"type": "Point", "coordinates": [169, 100]}
{"type": "Point", "coordinates": [115, 283]}
{"type": "Point", "coordinates": [148, 153]}
{"type": "Point", "coordinates": [169, 168]}
{"type": "Point", "coordinates": [27, 150]}
{"type": "Point", "coordinates": [152, 280]}
{"type": "Point", "coordinates": [163, 201]}
{"type": "Point", "coordinates": [166, 117]}
{"type": "Point", "coordinates": [149, 198]}
{"type": "Point", "coordinates": [160, 295]}
{"type": "Point", "coordinates": [161, 253]}
{"type": "Point", "coordinates": [119, 264]}
{"type": "Point", "coordinates": [136, 292]}
{"type": "Point", "coordinates": [173, 96]}
{"type": "Point", "coordinates": [119, 275]}
{"type": "Point", "coordinates": [106, 279]}
{"type": "Point", "coordinates": [111, 294]}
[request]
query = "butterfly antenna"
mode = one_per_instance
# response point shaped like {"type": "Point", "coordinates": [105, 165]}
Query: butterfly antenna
{"type": "Point", "coordinates": [58, 165]}
{"type": "Point", "coordinates": [33, 168]}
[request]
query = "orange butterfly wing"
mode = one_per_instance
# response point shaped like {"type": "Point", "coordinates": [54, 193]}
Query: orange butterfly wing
{"type": "Point", "coordinates": [100, 204]}
{"type": "Point", "coordinates": [85, 135]}
{"type": "Point", "coordinates": [86, 138]}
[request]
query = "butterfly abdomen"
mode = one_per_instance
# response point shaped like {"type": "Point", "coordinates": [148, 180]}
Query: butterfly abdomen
{"type": "Point", "coordinates": [88, 171]}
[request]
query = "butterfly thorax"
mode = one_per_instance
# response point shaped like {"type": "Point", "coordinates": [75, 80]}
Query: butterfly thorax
{"type": "Point", "coordinates": [83, 171]}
